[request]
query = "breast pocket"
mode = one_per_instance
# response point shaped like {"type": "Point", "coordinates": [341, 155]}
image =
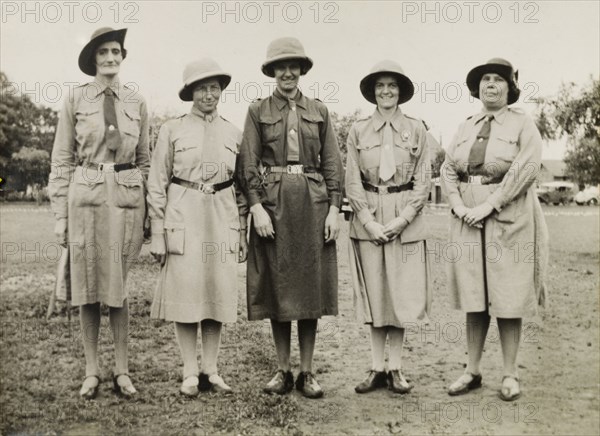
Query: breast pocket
{"type": "Point", "coordinates": [271, 128]}
{"type": "Point", "coordinates": [131, 124]}
{"type": "Point", "coordinates": [507, 148]}
{"type": "Point", "coordinates": [369, 149]}
{"type": "Point", "coordinates": [186, 152]}
{"type": "Point", "coordinates": [310, 125]}
{"type": "Point", "coordinates": [230, 153]}
{"type": "Point", "coordinates": [89, 124]}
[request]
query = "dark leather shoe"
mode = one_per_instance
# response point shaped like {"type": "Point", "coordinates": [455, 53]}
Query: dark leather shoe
{"type": "Point", "coordinates": [375, 379]}
{"type": "Point", "coordinates": [308, 385]}
{"type": "Point", "coordinates": [282, 383]}
{"type": "Point", "coordinates": [397, 383]}
{"type": "Point", "coordinates": [465, 383]}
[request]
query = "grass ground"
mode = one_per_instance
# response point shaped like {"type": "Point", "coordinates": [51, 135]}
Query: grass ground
{"type": "Point", "coordinates": [42, 361]}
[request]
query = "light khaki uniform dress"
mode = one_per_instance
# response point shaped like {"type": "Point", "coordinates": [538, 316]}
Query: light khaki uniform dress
{"type": "Point", "coordinates": [500, 268]}
{"type": "Point", "coordinates": [199, 278]}
{"type": "Point", "coordinates": [392, 282]}
{"type": "Point", "coordinates": [104, 208]}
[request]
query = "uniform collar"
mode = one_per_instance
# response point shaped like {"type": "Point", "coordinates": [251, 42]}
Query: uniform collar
{"type": "Point", "coordinates": [209, 118]}
{"type": "Point", "coordinates": [100, 87]}
{"type": "Point", "coordinates": [281, 100]}
{"type": "Point", "coordinates": [395, 121]}
{"type": "Point", "coordinates": [499, 116]}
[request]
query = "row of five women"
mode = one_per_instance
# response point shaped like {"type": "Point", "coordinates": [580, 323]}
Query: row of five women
{"type": "Point", "coordinates": [285, 170]}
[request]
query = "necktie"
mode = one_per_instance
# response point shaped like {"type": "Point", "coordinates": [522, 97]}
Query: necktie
{"type": "Point", "coordinates": [387, 162]}
{"type": "Point", "coordinates": [293, 147]}
{"type": "Point", "coordinates": [112, 137]}
{"type": "Point", "coordinates": [477, 153]}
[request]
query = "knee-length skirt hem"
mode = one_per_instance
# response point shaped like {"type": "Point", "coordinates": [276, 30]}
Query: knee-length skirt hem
{"type": "Point", "coordinates": [392, 282]}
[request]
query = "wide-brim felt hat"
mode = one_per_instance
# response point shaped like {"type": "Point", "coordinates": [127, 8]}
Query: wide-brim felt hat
{"type": "Point", "coordinates": [391, 68]}
{"type": "Point", "coordinates": [285, 49]}
{"type": "Point", "coordinates": [501, 67]}
{"type": "Point", "coordinates": [87, 57]}
{"type": "Point", "coordinates": [202, 69]}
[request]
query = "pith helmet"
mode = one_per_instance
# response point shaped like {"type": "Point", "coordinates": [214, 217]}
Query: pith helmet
{"type": "Point", "coordinates": [200, 70]}
{"type": "Point", "coordinates": [283, 49]}
{"type": "Point", "coordinates": [387, 67]}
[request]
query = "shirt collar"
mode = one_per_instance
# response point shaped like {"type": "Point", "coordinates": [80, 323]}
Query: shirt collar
{"type": "Point", "coordinates": [499, 116]}
{"type": "Point", "coordinates": [281, 100]}
{"type": "Point", "coordinates": [395, 121]}
{"type": "Point", "coordinates": [206, 117]}
{"type": "Point", "coordinates": [101, 87]}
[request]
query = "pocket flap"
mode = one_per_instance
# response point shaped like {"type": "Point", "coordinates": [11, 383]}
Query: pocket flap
{"type": "Point", "coordinates": [269, 119]}
{"type": "Point", "coordinates": [172, 225]}
{"type": "Point", "coordinates": [130, 178]}
{"type": "Point", "coordinates": [312, 118]}
{"type": "Point", "coordinates": [231, 145]}
{"type": "Point", "coordinates": [88, 176]}
{"type": "Point", "coordinates": [509, 139]}
{"type": "Point", "coordinates": [132, 114]}
{"type": "Point", "coordinates": [368, 142]}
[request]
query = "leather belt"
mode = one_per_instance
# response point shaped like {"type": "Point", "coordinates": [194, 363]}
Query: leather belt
{"type": "Point", "coordinates": [206, 188]}
{"type": "Point", "coordinates": [109, 166]}
{"type": "Point", "coordinates": [387, 189]}
{"type": "Point", "coordinates": [291, 169]}
{"type": "Point", "coordinates": [478, 180]}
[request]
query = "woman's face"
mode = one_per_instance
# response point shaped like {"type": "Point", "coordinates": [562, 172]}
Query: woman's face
{"type": "Point", "coordinates": [206, 95]}
{"type": "Point", "coordinates": [387, 92]}
{"type": "Point", "coordinates": [287, 74]}
{"type": "Point", "coordinates": [108, 59]}
{"type": "Point", "coordinates": [493, 91]}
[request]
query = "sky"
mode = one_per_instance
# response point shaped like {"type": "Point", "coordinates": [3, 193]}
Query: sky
{"type": "Point", "coordinates": [436, 43]}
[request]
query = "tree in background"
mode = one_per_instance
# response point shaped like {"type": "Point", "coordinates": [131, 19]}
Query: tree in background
{"type": "Point", "coordinates": [26, 137]}
{"type": "Point", "coordinates": [341, 125]}
{"type": "Point", "coordinates": [577, 115]}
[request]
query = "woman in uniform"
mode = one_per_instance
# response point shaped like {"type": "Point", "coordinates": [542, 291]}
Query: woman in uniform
{"type": "Point", "coordinates": [387, 184]}
{"type": "Point", "coordinates": [496, 222]}
{"type": "Point", "coordinates": [198, 226]}
{"type": "Point", "coordinates": [291, 168]}
{"type": "Point", "coordinates": [99, 164]}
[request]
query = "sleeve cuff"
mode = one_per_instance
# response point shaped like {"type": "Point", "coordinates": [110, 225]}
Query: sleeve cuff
{"type": "Point", "coordinates": [253, 198]}
{"type": "Point", "coordinates": [455, 200]}
{"type": "Point", "coordinates": [158, 227]}
{"type": "Point", "coordinates": [335, 200]}
{"type": "Point", "coordinates": [408, 213]}
{"type": "Point", "coordinates": [494, 201]}
{"type": "Point", "coordinates": [365, 216]}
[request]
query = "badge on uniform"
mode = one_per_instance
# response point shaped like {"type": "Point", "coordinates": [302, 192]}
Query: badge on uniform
{"type": "Point", "coordinates": [405, 135]}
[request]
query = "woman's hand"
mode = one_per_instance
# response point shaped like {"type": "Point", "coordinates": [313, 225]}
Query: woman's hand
{"type": "Point", "coordinates": [262, 221]}
{"type": "Point", "coordinates": [158, 248]}
{"type": "Point", "coordinates": [375, 230]}
{"type": "Point", "coordinates": [395, 227]}
{"type": "Point", "coordinates": [332, 226]}
{"type": "Point", "coordinates": [477, 214]}
{"type": "Point", "coordinates": [460, 211]}
{"type": "Point", "coordinates": [243, 251]}
{"type": "Point", "coordinates": [60, 230]}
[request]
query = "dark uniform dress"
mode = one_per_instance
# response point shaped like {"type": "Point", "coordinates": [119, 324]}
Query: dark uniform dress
{"type": "Point", "coordinates": [294, 275]}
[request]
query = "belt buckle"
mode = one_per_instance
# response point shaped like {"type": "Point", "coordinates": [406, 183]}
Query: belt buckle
{"type": "Point", "coordinates": [475, 180]}
{"type": "Point", "coordinates": [295, 169]}
{"type": "Point", "coordinates": [383, 190]}
{"type": "Point", "coordinates": [105, 166]}
{"type": "Point", "coordinates": [207, 189]}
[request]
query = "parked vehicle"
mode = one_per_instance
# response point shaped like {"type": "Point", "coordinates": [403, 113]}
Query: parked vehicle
{"type": "Point", "coordinates": [556, 192]}
{"type": "Point", "coordinates": [589, 196]}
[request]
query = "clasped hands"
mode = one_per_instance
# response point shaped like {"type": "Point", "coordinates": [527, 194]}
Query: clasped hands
{"type": "Point", "coordinates": [474, 216]}
{"type": "Point", "coordinates": [264, 226]}
{"type": "Point", "coordinates": [385, 233]}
